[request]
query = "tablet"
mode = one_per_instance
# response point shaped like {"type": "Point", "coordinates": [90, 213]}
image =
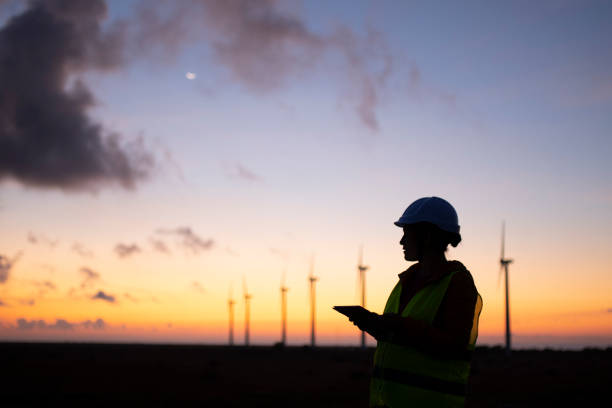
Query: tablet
{"type": "Point", "coordinates": [351, 310]}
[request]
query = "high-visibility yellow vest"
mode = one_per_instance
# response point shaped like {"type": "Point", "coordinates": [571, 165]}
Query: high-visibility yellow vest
{"type": "Point", "coordinates": [406, 377]}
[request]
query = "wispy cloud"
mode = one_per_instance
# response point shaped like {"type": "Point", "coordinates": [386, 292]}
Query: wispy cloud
{"type": "Point", "coordinates": [231, 252]}
{"type": "Point", "coordinates": [159, 246]}
{"type": "Point", "coordinates": [41, 239]}
{"type": "Point", "coordinates": [2, 304]}
{"type": "Point", "coordinates": [197, 286]}
{"type": "Point", "coordinates": [130, 298]}
{"type": "Point", "coordinates": [6, 265]}
{"type": "Point", "coordinates": [189, 239]}
{"type": "Point", "coordinates": [263, 46]}
{"type": "Point", "coordinates": [126, 250]}
{"type": "Point", "coordinates": [81, 250]}
{"type": "Point", "coordinates": [240, 172]}
{"type": "Point", "coordinates": [44, 286]}
{"type": "Point", "coordinates": [103, 296]}
{"type": "Point", "coordinates": [281, 253]}
{"type": "Point", "coordinates": [89, 277]}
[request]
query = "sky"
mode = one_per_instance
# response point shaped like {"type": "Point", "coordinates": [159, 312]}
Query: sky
{"type": "Point", "coordinates": [155, 159]}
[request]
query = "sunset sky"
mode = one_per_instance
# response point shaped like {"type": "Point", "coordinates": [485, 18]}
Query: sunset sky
{"type": "Point", "coordinates": [153, 155]}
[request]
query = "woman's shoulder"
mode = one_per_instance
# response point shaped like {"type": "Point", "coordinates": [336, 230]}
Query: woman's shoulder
{"type": "Point", "coordinates": [462, 276]}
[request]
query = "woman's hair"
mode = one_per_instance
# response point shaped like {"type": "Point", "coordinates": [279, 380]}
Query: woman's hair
{"type": "Point", "coordinates": [438, 238]}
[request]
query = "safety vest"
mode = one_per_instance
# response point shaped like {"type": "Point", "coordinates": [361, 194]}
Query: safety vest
{"type": "Point", "coordinates": [406, 377]}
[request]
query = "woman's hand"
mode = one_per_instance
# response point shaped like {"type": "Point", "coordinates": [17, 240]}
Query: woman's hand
{"type": "Point", "coordinates": [371, 323]}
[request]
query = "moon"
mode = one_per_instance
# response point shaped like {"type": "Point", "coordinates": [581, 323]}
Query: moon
{"type": "Point", "coordinates": [190, 76]}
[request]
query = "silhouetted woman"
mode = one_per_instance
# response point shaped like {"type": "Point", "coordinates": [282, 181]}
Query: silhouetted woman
{"type": "Point", "coordinates": [430, 323]}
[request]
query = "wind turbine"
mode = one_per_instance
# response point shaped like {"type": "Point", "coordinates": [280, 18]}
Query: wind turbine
{"type": "Point", "coordinates": [283, 290]}
{"type": "Point", "coordinates": [230, 304]}
{"type": "Point", "coordinates": [312, 279]}
{"type": "Point", "coordinates": [361, 270]}
{"type": "Point", "coordinates": [247, 311]}
{"type": "Point", "coordinates": [504, 262]}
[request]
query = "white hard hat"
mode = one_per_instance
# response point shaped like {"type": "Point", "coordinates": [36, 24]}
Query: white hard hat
{"type": "Point", "coordinates": [434, 210]}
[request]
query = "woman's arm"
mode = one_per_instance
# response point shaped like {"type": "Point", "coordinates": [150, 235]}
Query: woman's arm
{"type": "Point", "coordinates": [447, 336]}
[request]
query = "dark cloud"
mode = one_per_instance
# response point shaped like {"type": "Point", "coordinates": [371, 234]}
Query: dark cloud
{"type": "Point", "coordinates": [161, 31]}
{"type": "Point", "coordinates": [610, 310]}
{"type": "Point", "coordinates": [23, 324]}
{"type": "Point", "coordinates": [198, 287]}
{"type": "Point", "coordinates": [189, 239]}
{"type": "Point", "coordinates": [98, 324]}
{"type": "Point", "coordinates": [126, 250]}
{"type": "Point", "coordinates": [6, 265]}
{"type": "Point", "coordinates": [103, 296]}
{"type": "Point", "coordinates": [264, 46]}
{"type": "Point", "coordinates": [60, 324]}
{"type": "Point", "coordinates": [81, 250]}
{"type": "Point", "coordinates": [365, 82]}
{"type": "Point", "coordinates": [260, 45]}
{"type": "Point", "coordinates": [89, 276]}
{"type": "Point", "coordinates": [47, 138]}
{"type": "Point", "coordinates": [159, 246]}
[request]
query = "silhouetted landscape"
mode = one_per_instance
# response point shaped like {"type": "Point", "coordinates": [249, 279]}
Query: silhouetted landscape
{"type": "Point", "coordinates": [37, 374]}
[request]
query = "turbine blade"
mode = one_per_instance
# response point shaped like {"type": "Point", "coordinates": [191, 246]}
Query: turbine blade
{"type": "Point", "coordinates": [244, 287]}
{"type": "Point", "coordinates": [311, 272]}
{"type": "Point", "coordinates": [360, 256]}
{"type": "Point", "coordinates": [503, 239]}
{"type": "Point", "coordinates": [501, 270]}
{"type": "Point", "coordinates": [358, 284]}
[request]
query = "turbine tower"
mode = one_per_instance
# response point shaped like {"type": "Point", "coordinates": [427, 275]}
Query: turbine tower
{"type": "Point", "coordinates": [231, 303]}
{"type": "Point", "coordinates": [283, 290]}
{"type": "Point", "coordinates": [504, 262]}
{"type": "Point", "coordinates": [361, 270]}
{"type": "Point", "coordinates": [312, 279]}
{"type": "Point", "coordinates": [247, 311]}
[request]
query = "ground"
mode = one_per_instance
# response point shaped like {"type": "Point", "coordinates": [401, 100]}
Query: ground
{"type": "Point", "coordinates": [35, 374]}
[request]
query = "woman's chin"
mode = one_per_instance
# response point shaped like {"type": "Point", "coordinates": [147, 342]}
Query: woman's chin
{"type": "Point", "coordinates": [408, 257]}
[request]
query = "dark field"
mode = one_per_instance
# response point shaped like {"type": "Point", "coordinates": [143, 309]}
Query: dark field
{"type": "Point", "coordinates": [154, 375]}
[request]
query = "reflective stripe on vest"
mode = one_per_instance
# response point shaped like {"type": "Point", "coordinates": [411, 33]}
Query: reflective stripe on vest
{"type": "Point", "coordinates": [404, 375]}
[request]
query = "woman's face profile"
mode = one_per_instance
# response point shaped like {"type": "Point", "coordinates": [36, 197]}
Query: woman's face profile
{"type": "Point", "coordinates": [409, 243]}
